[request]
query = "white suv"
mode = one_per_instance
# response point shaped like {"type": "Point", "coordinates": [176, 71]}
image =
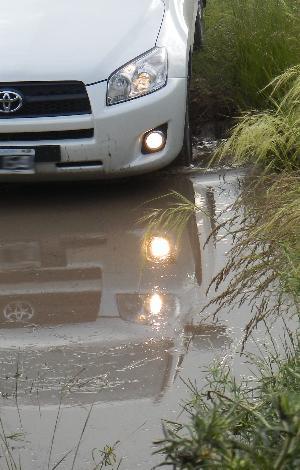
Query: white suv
{"type": "Point", "coordinates": [94, 88]}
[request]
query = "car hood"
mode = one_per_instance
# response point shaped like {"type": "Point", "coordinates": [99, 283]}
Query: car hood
{"type": "Point", "coordinates": [82, 40]}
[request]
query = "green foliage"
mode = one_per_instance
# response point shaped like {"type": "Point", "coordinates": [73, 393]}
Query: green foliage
{"type": "Point", "coordinates": [247, 44]}
{"type": "Point", "coordinates": [254, 425]}
{"type": "Point", "coordinates": [271, 138]}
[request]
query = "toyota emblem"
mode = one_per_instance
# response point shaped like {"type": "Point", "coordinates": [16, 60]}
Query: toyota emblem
{"type": "Point", "coordinates": [10, 101]}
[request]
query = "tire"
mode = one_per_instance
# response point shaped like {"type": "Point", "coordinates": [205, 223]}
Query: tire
{"type": "Point", "coordinates": [199, 27]}
{"type": "Point", "coordinates": [185, 157]}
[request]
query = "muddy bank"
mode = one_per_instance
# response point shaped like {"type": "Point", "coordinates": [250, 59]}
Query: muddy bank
{"type": "Point", "coordinates": [207, 111]}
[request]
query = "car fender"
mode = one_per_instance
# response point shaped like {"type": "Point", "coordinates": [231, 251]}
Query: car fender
{"type": "Point", "coordinates": [177, 34]}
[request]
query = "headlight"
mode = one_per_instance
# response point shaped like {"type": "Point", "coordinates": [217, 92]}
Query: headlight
{"type": "Point", "coordinates": [140, 77]}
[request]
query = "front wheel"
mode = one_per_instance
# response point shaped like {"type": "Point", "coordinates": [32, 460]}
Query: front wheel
{"type": "Point", "coordinates": [186, 155]}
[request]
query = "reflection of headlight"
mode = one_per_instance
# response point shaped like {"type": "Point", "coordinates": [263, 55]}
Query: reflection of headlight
{"type": "Point", "coordinates": [158, 249]}
{"type": "Point", "coordinates": [143, 75]}
{"type": "Point", "coordinates": [148, 309]}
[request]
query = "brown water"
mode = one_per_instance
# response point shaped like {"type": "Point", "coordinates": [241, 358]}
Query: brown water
{"type": "Point", "coordinates": [91, 317]}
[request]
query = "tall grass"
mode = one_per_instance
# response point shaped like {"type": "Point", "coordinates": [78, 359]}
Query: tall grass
{"type": "Point", "coordinates": [248, 43]}
{"type": "Point", "coordinates": [263, 265]}
{"type": "Point", "coordinates": [255, 424]}
{"type": "Point", "coordinates": [270, 138]}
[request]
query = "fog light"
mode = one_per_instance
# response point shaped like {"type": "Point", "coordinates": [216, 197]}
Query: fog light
{"type": "Point", "coordinates": [154, 141]}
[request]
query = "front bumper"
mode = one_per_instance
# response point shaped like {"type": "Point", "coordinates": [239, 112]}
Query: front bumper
{"type": "Point", "coordinates": [116, 147]}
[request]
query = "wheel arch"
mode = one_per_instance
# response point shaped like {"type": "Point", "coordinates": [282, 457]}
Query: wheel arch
{"type": "Point", "coordinates": [177, 34]}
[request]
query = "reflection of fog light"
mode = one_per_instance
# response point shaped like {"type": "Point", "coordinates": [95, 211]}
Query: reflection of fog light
{"type": "Point", "coordinates": [155, 304]}
{"type": "Point", "coordinates": [154, 141]}
{"type": "Point", "coordinates": [153, 308]}
{"type": "Point", "coordinates": [159, 248]}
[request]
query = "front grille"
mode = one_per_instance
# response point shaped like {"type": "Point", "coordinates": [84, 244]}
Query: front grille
{"type": "Point", "coordinates": [49, 135]}
{"type": "Point", "coordinates": [46, 99]}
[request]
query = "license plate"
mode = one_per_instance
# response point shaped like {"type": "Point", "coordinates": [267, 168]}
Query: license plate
{"type": "Point", "coordinates": [17, 160]}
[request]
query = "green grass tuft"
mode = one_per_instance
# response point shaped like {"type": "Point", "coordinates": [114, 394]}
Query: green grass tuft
{"type": "Point", "coordinates": [252, 425]}
{"type": "Point", "coordinates": [270, 139]}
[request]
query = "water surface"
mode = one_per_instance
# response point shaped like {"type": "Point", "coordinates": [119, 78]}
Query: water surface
{"type": "Point", "coordinates": [92, 316]}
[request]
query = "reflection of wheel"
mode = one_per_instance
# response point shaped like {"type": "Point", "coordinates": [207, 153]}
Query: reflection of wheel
{"type": "Point", "coordinates": [199, 28]}
{"type": "Point", "coordinates": [18, 312]}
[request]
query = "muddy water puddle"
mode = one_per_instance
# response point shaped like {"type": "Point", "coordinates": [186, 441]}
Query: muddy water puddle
{"type": "Point", "coordinates": [95, 322]}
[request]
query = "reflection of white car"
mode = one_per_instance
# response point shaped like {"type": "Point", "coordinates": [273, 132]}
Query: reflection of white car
{"type": "Point", "coordinates": [84, 294]}
{"type": "Point", "coordinates": [105, 95]}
